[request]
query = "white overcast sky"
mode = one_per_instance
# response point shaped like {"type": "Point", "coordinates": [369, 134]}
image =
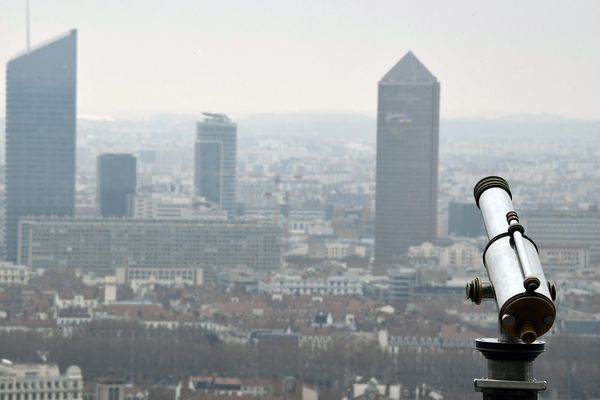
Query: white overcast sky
{"type": "Point", "coordinates": [493, 58]}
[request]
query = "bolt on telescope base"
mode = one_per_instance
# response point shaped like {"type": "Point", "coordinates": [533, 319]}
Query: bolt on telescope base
{"type": "Point", "coordinates": [510, 370]}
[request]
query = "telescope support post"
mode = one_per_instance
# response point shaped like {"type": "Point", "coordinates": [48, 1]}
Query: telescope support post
{"type": "Point", "coordinates": [510, 370]}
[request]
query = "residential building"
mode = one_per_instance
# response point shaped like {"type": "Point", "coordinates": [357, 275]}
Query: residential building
{"type": "Point", "coordinates": [370, 389]}
{"type": "Point", "coordinates": [337, 250]}
{"type": "Point", "coordinates": [216, 160]}
{"type": "Point", "coordinates": [157, 207]}
{"type": "Point", "coordinates": [407, 160]}
{"type": "Point", "coordinates": [110, 387]}
{"type": "Point", "coordinates": [564, 259]}
{"type": "Point", "coordinates": [459, 256]}
{"type": "Point", "coordinates": [69, 320]}
{"type": "Point", "coordinates": [110, 289]}
{"type": "Point", "coordinates": [230, 388]}
{"type": "Point", "coordinates": [115, 184]}
{"type": "Point", "coordinates": [102, 245]}
{"type": "Point", "coordinates": [41, 89]}
{"type": "Point", "coordinates": [14, 275]}
{"type": "Point", "coordinates": [240, 279]}
{"type": "Point", "coordinates": [120, 389]}
{"type": "Point", "coordinates": [402, 283]}
{"type": "Point", "coordinates": [75, 300]}
{"type": "Point", "coordinates": [134, 392]}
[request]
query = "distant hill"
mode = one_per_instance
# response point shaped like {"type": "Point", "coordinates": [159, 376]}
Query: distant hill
{"type": "Point", "coordinates": [355, 126]}
{"type": "Point", "coordinates": [310, 125]}
{"type": "Point", "coordinates": [525, 128]}
{"type": "Point", "coordinates": [521, 128]}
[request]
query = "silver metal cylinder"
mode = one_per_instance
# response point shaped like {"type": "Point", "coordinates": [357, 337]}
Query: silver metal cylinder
{"type": "Point", "coordinates": [526, 309]}
{"type": "Point", "coordinates": [494, 204]}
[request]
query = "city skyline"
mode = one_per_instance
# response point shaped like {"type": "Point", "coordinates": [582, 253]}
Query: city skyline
{"type": "Point", "coordinates": [248, 70]}
{"type": "Point", "coordinates": [310, 237]}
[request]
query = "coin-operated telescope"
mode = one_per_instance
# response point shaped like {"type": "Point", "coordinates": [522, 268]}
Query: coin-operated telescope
{"type": "Point", "coordinates": [524, 297]}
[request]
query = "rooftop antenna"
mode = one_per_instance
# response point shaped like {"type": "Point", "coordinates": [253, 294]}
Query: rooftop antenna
{"type": "Point", "coordinates": [27, 24]}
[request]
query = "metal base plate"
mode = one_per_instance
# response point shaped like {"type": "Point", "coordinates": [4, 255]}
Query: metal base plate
{"type": "Point", "coordinates": [483, 384]}
{"type": "Point", "coordinates": [509, 390]}
{"type": "Point", "coordinates": [496, 349]}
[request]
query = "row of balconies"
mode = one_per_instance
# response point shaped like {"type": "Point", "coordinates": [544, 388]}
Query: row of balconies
{"type": "Point", "coordinates": [16, 395]}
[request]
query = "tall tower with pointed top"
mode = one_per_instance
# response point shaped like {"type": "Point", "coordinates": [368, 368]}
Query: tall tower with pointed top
{"type": "Point", "coordinates": [41, 101]}
{"type": "Point", "coordinates": [407, 160]}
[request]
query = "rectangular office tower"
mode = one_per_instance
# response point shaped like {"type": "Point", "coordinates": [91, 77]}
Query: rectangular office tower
{"type": "Point", "coordinates": [115, 184]}
{"type": "Point", "coordinates": [558, 229]}
{"type": "Point", "coordinates": [407, 160]}
{"type": "Point", "coordinates": [215, 161]}
{"type": "Point", "coordinates": [41, 89]}
{"type": "Point", "coordinates": [101, 245]}
{"type": "Point", "coordinates": [464, 219]}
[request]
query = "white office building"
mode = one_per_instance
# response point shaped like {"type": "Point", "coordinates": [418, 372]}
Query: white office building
{"type": "Point", "coordinates": [135, 277]}
{"type": "Point", "coordinates": [346, 285]}
{"type": "Point", "coordinates": [39, 382]}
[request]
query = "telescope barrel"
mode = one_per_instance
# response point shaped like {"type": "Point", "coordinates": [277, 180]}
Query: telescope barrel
{"type": "Point", "coordinates": [494, 199]}
{"type": "Point", "coordinates": [523, 295]}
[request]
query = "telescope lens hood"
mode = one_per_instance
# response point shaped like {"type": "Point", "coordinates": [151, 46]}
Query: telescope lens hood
{"type": "Point", "coordinates": [488, 183]}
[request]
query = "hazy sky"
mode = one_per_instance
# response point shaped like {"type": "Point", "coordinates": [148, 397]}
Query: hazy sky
{"type": "Point", "coordinates": [493, 58]}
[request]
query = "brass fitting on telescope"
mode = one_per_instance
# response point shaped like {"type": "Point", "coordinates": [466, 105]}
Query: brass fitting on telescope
{"type": "Point", "coordinates": [477, 290]}
{"type": "Point", "coordinates": [512, 216]}
{"type": "Point", "coordinates": [531, 283]}
{"type": "Point", "coordinates": [527, 316]}
{"type": "Point", "coordinates": [527, 333]}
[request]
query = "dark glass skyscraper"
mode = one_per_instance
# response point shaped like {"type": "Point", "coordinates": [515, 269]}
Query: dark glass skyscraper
{"type": "Point", "coordinates": [407, 159]}
{"type": "Point", "coordinates": [215, 161]}
{"type": "Point", "coordinates": [464, 219]}
{"type": "Point", "coordinates": [115, 184]}
{"type": "Point", "coordinates": [41, 98]}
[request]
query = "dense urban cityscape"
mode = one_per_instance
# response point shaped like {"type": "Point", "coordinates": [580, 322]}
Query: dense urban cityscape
{"type": "Point", "coordinates": [305, 256]}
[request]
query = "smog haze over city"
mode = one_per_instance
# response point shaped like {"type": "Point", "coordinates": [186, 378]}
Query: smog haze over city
{"type": "Point", "coordinates": [154, 57]}
{"type": "Point", "coordinates": [285, 200]}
